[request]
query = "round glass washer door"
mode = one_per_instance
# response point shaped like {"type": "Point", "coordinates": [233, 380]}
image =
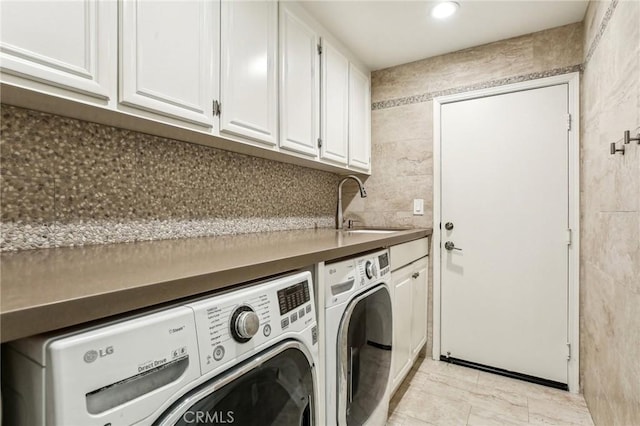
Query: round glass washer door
{"type": "Point", "coordinates": [364, 355]}
{"type": "Point", "coordinates": [276, 387]}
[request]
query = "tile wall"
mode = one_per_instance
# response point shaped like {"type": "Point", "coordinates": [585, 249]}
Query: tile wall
{"type": "Point", "coordinates": [402, 116]}
{"type": "Point", "coordinates": [610, 214]}
{"type": "Point", "coordinates": [66, 182]}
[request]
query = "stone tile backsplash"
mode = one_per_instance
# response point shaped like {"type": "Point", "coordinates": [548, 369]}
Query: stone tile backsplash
{"type": "Point", "coordinates": [68, 182]}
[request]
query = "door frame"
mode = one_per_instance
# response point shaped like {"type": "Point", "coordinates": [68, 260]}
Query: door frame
{"type": "Point", "coordinates": [573, 296]}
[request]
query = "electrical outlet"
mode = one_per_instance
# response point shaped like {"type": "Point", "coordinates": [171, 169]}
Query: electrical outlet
{"type": "Point", "coordinates": [418, 207]}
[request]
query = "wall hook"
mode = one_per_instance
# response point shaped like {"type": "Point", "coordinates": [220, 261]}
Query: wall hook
{"type": "Point", "coordinates": [628, 138]}
{"type": "Point", "coordinates": [614, 149]}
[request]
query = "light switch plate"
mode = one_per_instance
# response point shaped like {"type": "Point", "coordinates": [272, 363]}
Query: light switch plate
{"type": "Point", "coordinates": [418, 207]}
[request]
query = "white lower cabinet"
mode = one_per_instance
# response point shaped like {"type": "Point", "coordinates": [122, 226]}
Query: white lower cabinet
{"type": "Point", "coordinates": [410, 283]}
{"type": "Point", "coordinates": [69, 45]}
{"type": "Point", "coordinates": [167, 55]}
{"type": "Point", "coordinates": [419, 282]}
{"type": "Point", "coordinates": [401, 347]}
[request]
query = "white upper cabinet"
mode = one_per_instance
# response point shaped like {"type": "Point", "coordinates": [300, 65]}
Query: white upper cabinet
{"type": "Point", "coordinates": [229, 72]}
{"type": "Point", "coordinates": [299, 84]}
{"type": "Point", "coordinates": [359, 120]}
{"type": "Point", "coordinates": [69, 45]}
{"type": "Point", "coordinates": [167, 55]}
{"type": "Point", "coordinates": [249, 70]}
{"type": "Point", "coordinates": [334, 105]}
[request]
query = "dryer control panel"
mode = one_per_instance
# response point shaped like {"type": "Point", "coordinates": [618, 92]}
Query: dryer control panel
{"type": "Point", "coordinates": [345, 277]}
{"type": "Point", "coordinates": [232, 326]}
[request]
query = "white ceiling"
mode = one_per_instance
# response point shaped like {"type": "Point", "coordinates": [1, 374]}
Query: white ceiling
{"type": "Point", "coordinates": [387, 33]}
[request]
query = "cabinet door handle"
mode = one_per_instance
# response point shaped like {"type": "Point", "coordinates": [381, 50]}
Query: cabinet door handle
{"type": "Point", "coordinates": [416, 275]}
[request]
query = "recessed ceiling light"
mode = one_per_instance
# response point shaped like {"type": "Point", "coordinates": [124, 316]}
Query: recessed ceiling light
{"type": "Point", "coordinates": [444, 9]}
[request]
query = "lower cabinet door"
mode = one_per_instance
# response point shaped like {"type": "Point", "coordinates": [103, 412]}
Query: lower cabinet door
{"type": "Point", "coordinates": [419, 310]}
{"type": "Point", "coordinates": [401, 349]}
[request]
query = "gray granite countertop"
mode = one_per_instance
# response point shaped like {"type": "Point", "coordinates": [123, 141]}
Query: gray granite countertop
{"type": "Point", "coordinates": [49, 289]}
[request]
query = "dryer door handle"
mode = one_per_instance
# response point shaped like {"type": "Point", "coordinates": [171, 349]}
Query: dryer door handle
{"type": "Point", "coordinates": [350, 376]}
{"type": "Point", "coordinates": [305, 420]}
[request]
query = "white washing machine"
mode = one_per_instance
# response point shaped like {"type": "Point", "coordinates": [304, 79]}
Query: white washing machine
{"type": "Point", "coordinates": [245, 357]}
{"type": "Point", "coordinates": [358, 337]}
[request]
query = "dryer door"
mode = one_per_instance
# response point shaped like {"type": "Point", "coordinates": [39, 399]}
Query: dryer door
{"type": "Point", "coordinates": [364, 357]}
{"type": "Point", "coordinates": [276, 387]}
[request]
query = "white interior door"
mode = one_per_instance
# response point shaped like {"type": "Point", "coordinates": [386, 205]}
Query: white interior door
{"type": "Point", "coordinates": [504, 187]}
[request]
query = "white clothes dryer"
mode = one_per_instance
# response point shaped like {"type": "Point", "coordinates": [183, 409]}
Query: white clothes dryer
{"type": "Point", "coordinates": [244, 357]}
{"type": "Point", "coordinates": [358, 337]}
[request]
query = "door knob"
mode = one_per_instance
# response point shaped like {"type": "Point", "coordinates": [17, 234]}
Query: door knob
{"type": "Point", "coordinates": [448, 226]}
{"type": "Point", "coordinates": [450, 246]}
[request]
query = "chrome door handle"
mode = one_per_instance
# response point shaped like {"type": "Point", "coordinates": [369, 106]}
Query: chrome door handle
{"type": "Point", "coordinates": [450, 246]}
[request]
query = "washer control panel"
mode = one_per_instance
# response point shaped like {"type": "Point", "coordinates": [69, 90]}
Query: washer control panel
{"type": "Point", "coordinates": [231, 325]}
{"type": "Point", "coordinates": [345, 277]}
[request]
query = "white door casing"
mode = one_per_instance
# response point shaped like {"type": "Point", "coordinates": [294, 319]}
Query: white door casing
{"type": "Point", "coordinates": [249, 70]}
{"type": "Point", "coordinates": [511, 226]}
{"type": "Point", "coordinates": [168, 49]}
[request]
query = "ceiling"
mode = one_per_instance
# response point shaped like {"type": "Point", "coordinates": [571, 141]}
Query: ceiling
{"type": "Point", "coordinates": [387, 33]}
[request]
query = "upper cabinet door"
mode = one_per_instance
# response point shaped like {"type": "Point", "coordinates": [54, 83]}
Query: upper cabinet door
{"type": "Point", "coordinates": [299, 85]}
{"type": "Point", "coordinates": [69, 44]}
{"type": "Point", "coordinates": [167, 53]}
{"type": "Point", "coordinates": [359, 120]}
{"type": "Point", "coordinates": [249, 65]}
{"type": "Point", "coordinates": [335, 105]}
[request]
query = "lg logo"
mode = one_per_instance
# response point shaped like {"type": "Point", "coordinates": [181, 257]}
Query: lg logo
{"type": "Point", "coordinates": [92, 355]}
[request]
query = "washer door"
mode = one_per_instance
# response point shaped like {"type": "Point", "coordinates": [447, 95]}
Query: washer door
{"type": "Point", "coordinates": [276, 387]}
{"type": "Point", "coordinates": [364, 356]}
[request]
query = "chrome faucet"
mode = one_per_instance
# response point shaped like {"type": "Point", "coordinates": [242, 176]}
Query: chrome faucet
{"type": "Point", "coordinates": [363, 194]}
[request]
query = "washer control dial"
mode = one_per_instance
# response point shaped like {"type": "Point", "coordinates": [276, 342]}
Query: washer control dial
{"type": "Point", "coordinates": [368, 269]}
{"type": "Point", "coordinates": [244, 324]}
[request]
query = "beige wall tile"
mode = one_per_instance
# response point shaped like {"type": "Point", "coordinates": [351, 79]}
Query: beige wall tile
{"type": "Point", "coordinates": [610, 210]}
{"type": "Point", "coordinates": [554, 48]}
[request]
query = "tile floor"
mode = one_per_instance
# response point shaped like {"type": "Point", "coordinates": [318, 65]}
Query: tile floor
{"type": "Point", "coordinates": [442, 394]}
